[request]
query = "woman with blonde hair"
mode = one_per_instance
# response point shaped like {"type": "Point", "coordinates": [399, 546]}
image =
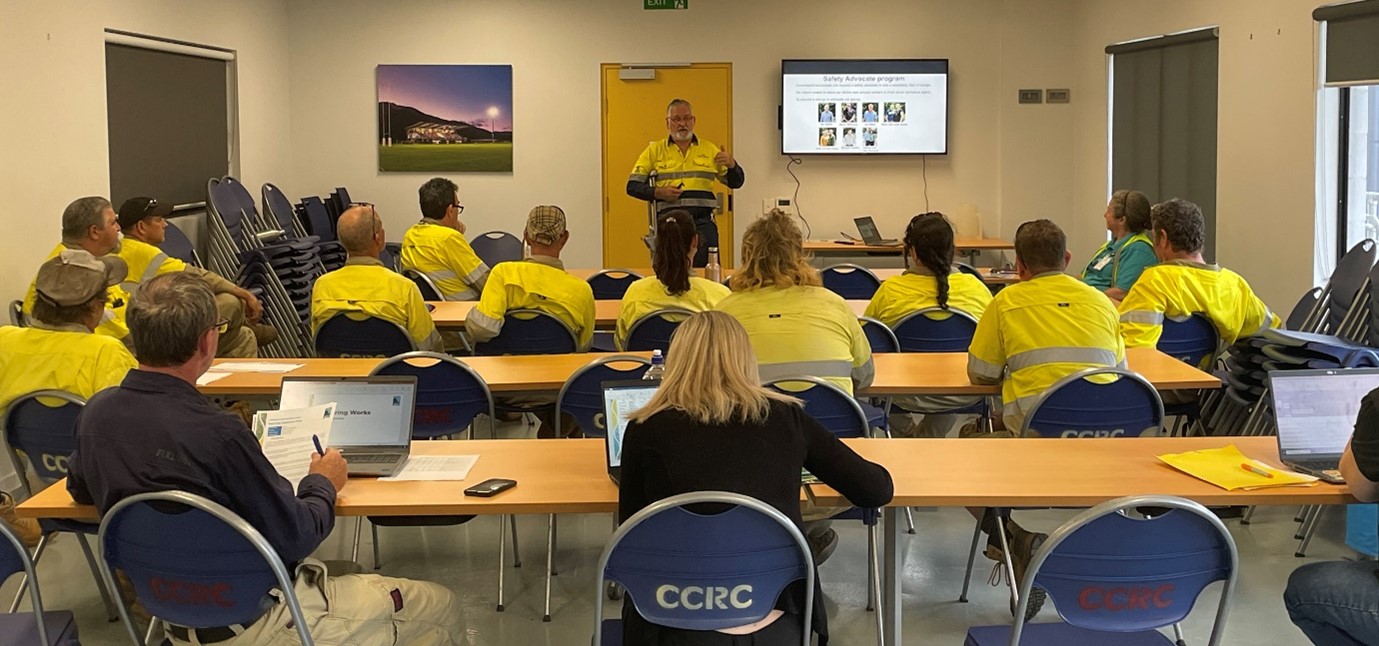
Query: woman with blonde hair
{"type": "Point", "coordinates": [796, 326]}
{"type": "Point", "coordinates": [674, 285]}
{"type": "Point", "coordinates": [711, 426]}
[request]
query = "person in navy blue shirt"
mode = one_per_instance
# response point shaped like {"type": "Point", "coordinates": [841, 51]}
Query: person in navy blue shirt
{"type": "Point", "coordinates": [155, 432]}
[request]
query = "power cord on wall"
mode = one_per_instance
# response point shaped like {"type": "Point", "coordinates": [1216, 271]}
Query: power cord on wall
{"type": "Point", "coordinates": [796, 161]}
{"type": "Point", "coordinates": [924, 169]}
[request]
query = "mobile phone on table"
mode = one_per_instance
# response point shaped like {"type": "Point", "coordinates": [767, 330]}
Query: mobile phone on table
{"type": "Point", "coordinates": [490, 487]}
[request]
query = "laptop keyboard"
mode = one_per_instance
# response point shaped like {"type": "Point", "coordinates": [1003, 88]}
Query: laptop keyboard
{"type": "Point", "coordinates": [1316, 465]}
{"type": "Point", "coordinates": [370, 459]}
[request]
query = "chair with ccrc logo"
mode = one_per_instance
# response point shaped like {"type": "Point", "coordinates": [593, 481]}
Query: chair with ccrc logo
{"type": "Point", "coordinates": [704, 571]}
{"type": "Point", "coordinates": [582, 398]}
{"type": "Point", "coordinates": [195, 566]}
{"type": "Point", "coordinates": [1116, 579]}
{"type": "Point", "coordinates": [40, 429]}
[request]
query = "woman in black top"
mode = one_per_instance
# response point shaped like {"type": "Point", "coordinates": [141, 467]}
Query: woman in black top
{"type": "Point", "coordinates": [712, 426]}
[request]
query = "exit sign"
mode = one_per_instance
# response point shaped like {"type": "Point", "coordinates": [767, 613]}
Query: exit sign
{"type": "Point", "coordinates": [665, 4]}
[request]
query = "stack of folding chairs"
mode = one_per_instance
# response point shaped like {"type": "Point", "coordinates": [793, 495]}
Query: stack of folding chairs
{"type": "Point", "coordinates": [1331, 327]}
{"type": "Point", "coordinates": [312, 211]}
{"type": "Point", "coordinates": [275, 262]}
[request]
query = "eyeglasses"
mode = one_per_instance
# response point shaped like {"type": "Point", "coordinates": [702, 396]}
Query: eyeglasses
{"type": "Point", "coordinates": [684, 119]}
{"type": "Point", "coordinates": [148, 208]}
{"type": "Point", "coordinates": [221, 327]}
{"type": "Point", "coordinates": [368, 204]}
{"type": "Point", "coordinates": [459, 208]}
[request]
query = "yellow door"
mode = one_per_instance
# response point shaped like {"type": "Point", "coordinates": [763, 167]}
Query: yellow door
{"type": "Point", "coordinates": [633, 115]}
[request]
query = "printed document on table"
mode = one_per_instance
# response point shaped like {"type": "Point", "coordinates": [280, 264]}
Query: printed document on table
{"type": "Point", "coordinates": [286, 436]}
{"type": "Point", "coordinates": [434, 467]}
{"type": "Point", "coordinates": [211, 377]}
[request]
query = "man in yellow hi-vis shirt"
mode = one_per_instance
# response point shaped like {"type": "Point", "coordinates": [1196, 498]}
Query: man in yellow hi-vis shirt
{"type": "Point", "coordinates": [685, 168]}
{"type": "Point", "coordinates": [436, 246]}
{"type": "Point", "coordinates": [90, 224]}
{"type": "Point", "coordinates": [365, 287]}
{"type": "Point", "coordinates": [1044, 328]}
{"type": "Point", "coordinates": [1183, 284]}
{"type": "Point", "coordinates": [144, 223]}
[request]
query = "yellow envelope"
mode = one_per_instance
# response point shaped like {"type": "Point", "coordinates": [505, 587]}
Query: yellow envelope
{"type": "Point", "coordinates": [1224, 468]}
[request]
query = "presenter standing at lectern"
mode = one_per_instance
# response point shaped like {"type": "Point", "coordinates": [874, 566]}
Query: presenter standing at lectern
{"type": "Point", "coordinates": [685, 168]}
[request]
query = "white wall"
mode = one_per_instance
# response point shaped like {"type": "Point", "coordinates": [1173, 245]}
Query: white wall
{"type": "Point", "coordinates": [1265, 129]}
{"type": "Point", "coordinates": [54, 142]}
{"type": "Point", "coordinates": [1003, 155]}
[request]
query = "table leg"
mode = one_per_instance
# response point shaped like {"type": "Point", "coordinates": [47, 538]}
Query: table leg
{"type": "Point", "coordinates": [891, 567]}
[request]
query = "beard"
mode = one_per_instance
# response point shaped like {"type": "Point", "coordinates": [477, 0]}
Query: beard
{"type": "Point", "coordinates": [682, 135]}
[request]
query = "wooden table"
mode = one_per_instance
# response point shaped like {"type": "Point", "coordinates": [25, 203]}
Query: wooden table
{"type": "Point", "coordinates": [450, 315]}
{"type": "Point", "coordinates": [938, 373]}
{"type": "Point", "coordinates": [831, 247]}
{"type": "Point", "coordinates": [989, 274]}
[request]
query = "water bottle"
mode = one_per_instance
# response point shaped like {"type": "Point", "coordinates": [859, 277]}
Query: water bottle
{"type": "Point", "coordinates": [658, 366]}
{"type": "Point", "coordinates": [713, 271]}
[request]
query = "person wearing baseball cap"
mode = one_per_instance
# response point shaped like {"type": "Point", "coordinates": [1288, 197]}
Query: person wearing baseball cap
{"type": "Point", "coordinates": [540, 283]}
{"type": "Point", "coordinates": [59, 351]}
{"type": "Point", "coordinates": [144, 222]}
{"type": "Point", "coordinates": [90, 224]}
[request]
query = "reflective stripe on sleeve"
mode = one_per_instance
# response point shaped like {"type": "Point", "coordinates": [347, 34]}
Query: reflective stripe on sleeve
{"type": "Point", "coordinates": [1147, 317]}
{"type": "Point", "coordinates": [985, 368]}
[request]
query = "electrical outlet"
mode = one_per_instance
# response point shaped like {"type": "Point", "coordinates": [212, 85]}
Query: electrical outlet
{"type": "Point", "coordinates": [783, 203]}
{"type": "Point", "coordinates": [1056, 95]}
{"type": "Point", "coordinates": [1031, 96]}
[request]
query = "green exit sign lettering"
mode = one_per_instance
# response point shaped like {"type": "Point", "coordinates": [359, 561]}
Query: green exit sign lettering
{"type": "Point", "coordinates": [665, 4]}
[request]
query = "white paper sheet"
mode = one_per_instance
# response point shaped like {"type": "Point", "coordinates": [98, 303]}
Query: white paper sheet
{"type": "Point", "coordinates": [286, 436]}
{"type": "Point", "coordinates": [211, 377]}
{"type": "Point", "coordinates": [435, 468]}
{"type": "Point", "coordinates": [255, 366]}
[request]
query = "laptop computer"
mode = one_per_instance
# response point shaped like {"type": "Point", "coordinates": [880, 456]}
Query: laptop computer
{"type": "Point", "coordinates": [871, 235]}
{"type": "Point", "coordinates": [373, 418]}
{"type": "Point", "coordinates": [1315, 411]}
{"type": "Point", "coordinates": [620, 399]}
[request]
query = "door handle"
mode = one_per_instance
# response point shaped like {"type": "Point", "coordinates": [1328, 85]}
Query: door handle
{"type": "Point", "coordinates": [719, 208]}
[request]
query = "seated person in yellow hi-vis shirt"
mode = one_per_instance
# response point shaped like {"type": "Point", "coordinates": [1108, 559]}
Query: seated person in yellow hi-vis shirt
{"type": "Point", "coordinates": [59, 351]}
{"type": "Point", "coordinates": [144, 223]}
{"type": "Point", "coordinates": [90, 224]}
{"type": "Point", "coordinates": [436, 246]}
{"type": "Point", "coordinates": [1035, 332]}
{"type": "Point", "coordinates": [797, 327]}
{"type": "Point", "coordinates": [930, 281]}
{"type": "Point", "coordinates": [365, 287]}
{"type": "Point", "coordinates": [1183, 284]}
{"type": "Point", "coordinates": [673, 286]}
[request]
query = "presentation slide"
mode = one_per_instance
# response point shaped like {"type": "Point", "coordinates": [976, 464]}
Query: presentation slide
{"type": "Point", "coordinates": [365, 415]}
{"type": "Point", "coordinates": [864, 107]}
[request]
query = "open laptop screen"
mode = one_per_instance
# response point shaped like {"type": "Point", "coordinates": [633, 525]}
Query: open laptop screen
{"type": "Point", "coordinates": [621, 399]}
{"type": "Point", "coordinates": [371, 411]}
{"type": "Point", "coordinates": [867, 228]}
{"type": "Point", "coordinates": [1316, 409]}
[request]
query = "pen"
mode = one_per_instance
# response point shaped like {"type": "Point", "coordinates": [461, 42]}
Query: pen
{"type": "Point", "coordinates": [1256, 470]}
{"type": "Point", "coordinates": [317, 441]}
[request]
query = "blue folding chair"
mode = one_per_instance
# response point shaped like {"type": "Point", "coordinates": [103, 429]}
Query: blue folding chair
{"type": "Point", "coordinates": [928, 330]}
{"type": "Point", "coordinates": [17, 317]}
{"type": "Point", "coordinates": [879, 337]}
{"type": "Point", "coordinates": [177, 245]}
{"type": "Point", "coordinates": [529, 332]}
{"type": "Point", "coordinates": [348, 335]}
{"type": "Point", "coordinates": [1192, 340]}
{"type": "Point", "coordinates": [747, 555]}
{"type": "Point", "coordinates": [391, 256]}
{"type": "Point", "coordinates": [497, 246]}
{"type": "Point", "coordinates": [611, 284]}
{"type": "Point", "coordinates": [653, 331]}
{"type": "Point", "coordinates": [1090, 403]}
{"type": "Point", "coordinates": [48, 628]}
{"type": "Point", "coordinates": [226, 572]}
{"type": "Point", "coordinates": [582, 397]}
{"type": "Point", "coordinates": [1116, 579]}
{"type": "Point", "coordinates": [852, 282]}
{"type": "Point", "coordinates": [428, 289]}
{"type": "Point", "coordinates": [40, 430]}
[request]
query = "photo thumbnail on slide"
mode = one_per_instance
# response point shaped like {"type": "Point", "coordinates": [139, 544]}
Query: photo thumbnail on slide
{"type": "Point", "coordinates": [901, 104]}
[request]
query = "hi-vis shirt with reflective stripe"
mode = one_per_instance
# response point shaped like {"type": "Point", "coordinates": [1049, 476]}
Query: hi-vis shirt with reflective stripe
{"type": "Point", "coordinates": [446, 258]}
{"type": "Point", "coordinates": [1042, 330]}
{"type": "Point", "coordinates": [1178, 289]}
{"type": "Point", "coordinates": [1127, 259]}
{"type": "Point", "coordinates": [803, 331]}
{"type": "Point", "coordinates": [365, 286]}
{"type": "Point", "coordinates": [66, 357]}
{"type": "Point", "coordinates": [112, 323]}
{"type": "Point", "coordinates": [694, 171]}
{"type": "Point", "coordinates": [537, 283]}
{"type": "Point", "coordinates": [912, 291]}
{"type": "Point", "coordinates": [650, 294]}
{"type": "Point", "coordinates": [146, 261]}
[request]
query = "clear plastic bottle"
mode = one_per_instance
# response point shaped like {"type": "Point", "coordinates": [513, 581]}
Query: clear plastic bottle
{"type": "Point", "coordinates": [658, 366]}
{"type": "Point", "coordinates": [713, 271]}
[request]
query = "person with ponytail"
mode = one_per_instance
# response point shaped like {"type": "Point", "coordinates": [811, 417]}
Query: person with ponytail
{"type": "Point", "coordinates": [677, 242]}
{"type": "Point", "coordinates": [931, 280]}
{"type": "Point", "coordinates": [1116, 266]}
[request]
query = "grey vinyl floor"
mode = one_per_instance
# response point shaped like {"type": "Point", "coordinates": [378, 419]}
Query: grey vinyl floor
{"type": "Point", "coordinates": [464, 559]}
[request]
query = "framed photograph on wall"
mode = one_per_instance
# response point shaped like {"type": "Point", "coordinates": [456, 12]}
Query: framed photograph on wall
{"type": "Point", "coordinates": [445, 118]}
